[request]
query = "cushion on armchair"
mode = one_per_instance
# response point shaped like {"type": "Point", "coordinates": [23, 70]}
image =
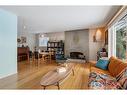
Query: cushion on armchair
{"type": "Point", "coordinates": [60, 58]}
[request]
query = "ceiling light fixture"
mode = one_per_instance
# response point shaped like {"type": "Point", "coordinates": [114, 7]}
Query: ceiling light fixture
{"type": "Point", "coordinates": [41, 35]}
{"type": "Point", "coordinates": [24, 27]}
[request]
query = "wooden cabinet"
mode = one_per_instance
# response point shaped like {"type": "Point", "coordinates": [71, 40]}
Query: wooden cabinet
{"type": "Point", "coordinates": [23, 53]}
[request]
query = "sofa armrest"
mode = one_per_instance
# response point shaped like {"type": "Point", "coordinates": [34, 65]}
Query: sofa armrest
{"type": "Point", "coordinates": [92, 63]}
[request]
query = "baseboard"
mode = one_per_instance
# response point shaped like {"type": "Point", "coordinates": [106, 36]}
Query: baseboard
{"type": "Point", "coordinates": [8, 75]}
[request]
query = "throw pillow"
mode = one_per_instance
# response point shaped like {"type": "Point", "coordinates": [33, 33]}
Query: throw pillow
{"type": "Point", "coordinates": [102, 64]}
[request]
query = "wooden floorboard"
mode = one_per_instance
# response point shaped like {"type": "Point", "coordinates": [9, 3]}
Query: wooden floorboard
{"type": "Point", "coordinates": [30, 74]}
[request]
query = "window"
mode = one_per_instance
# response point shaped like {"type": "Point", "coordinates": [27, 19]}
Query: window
{"type": "Point", "coordinates": [43, 41]}
{"type": "Point", "coordinates": [121, 38]}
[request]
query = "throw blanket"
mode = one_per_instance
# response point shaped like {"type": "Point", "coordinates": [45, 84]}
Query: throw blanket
{"type": "Point", "coordinates": [102, 81]}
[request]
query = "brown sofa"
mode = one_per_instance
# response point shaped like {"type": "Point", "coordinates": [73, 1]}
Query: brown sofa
{"type": "Point", "coordinates": [106, 79]}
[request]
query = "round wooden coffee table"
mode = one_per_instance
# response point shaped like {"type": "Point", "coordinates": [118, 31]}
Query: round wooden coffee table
{"type": "Point", "coordinates": [55, 78]}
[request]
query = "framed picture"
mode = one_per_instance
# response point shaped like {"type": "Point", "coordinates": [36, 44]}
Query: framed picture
{"type": "Point", "coordinates": [23, 39]}
{"type": "Point", "coordinates": [18, 40]}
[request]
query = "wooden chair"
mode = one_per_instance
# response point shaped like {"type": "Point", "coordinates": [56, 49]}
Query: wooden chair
{"type": "Point", "coordinates": [31, 55]}
{"type": "Point", "coordinates": [46, 58]}
{"type": "Point", "coordinates": [37, 57]}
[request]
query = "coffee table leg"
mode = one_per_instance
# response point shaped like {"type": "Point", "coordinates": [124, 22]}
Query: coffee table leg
{"type": "Point", "coordinates": [58, 85]}
{"type": "Point", "coordinates": [44, 87]}
{"type": "Point", "coordinates": [73, 72]}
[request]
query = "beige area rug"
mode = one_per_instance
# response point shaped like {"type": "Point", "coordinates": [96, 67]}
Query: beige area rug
{"type": "Point", "coordinates": [76, 60]}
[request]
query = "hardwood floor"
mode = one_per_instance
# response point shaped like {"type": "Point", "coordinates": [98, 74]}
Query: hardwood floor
{"type": "Point", "coordinates": [29, 76]}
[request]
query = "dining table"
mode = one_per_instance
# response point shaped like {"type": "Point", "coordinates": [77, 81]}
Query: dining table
{"type": "Point", "coordinates": [46, 54]}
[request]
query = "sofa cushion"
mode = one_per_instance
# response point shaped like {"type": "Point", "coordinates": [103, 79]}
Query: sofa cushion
{"type": "Point", "coordinates": [122, 78]}
{"type": "Point", "coordinates": [98, 70]}
{"type": "Point", "coordinates": [95, 81]}
{"type": "Point", "coordinates": [102, 81]}
{"type": "Point", "coordinates": [112, 84]}
{"type": "Point", "coordinates": [102, 64]}
{"type": "Point", "coordinates": [116, 66]}
{"type": "Point", "coordinates": [121, 67]}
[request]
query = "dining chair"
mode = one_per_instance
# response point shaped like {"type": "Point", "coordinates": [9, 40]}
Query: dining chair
{"type": "Point", "coordinates": [37, 57]}
{"type": "Point", "coordinates": [31, 56]}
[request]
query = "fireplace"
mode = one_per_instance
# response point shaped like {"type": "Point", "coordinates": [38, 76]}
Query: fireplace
{"type": "Point", "coordinates": [77, 55]}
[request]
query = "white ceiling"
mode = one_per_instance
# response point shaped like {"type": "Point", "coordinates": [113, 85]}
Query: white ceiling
{"type": "Point", "coordinates": [43, 19]}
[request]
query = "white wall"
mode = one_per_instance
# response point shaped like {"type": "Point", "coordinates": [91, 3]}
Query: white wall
{"type": "Point", "coordinates": [94, 46]}
{"type": "Point", "coordinates": [56, 36]}
{"type": "Point", "coordinates": [8, 43]}
{"type": "Point", "coordinates": [30, 39]}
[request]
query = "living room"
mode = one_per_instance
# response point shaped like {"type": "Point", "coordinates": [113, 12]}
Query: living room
{"type": "Point", "coordinates": [53, 47]}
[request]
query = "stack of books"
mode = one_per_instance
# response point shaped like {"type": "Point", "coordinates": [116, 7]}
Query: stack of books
{"type": "Point", "coordinates": [61, 69]}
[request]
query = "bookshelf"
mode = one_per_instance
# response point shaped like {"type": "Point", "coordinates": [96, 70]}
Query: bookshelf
{"type": "Point", "coordinates": [57, 47]}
